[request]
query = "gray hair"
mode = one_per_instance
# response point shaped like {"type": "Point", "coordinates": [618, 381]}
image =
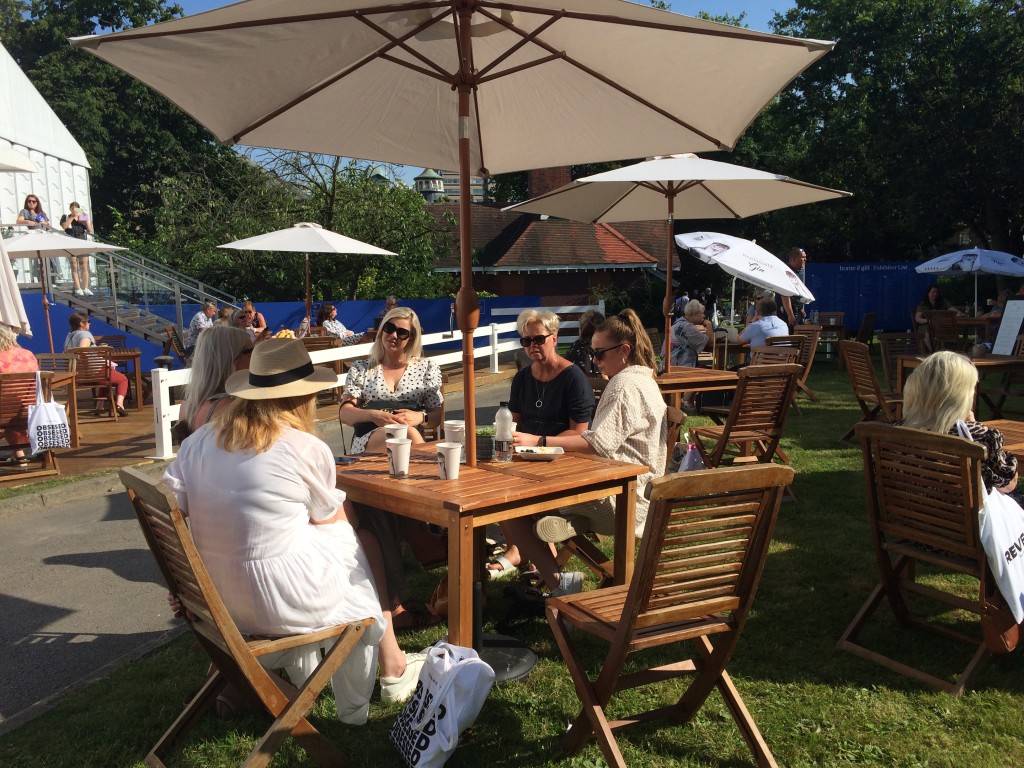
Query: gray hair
{"type": "Point", "coordinates": [692, 308]}
{"type": "Point", "coordinates": [209, 305]}
{"type": "Point", "coordinates": [545, 317]}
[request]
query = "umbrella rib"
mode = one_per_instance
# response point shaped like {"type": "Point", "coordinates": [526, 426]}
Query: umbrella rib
{"type": "Point", "coordinates": [721, 202]}
{"type": "Point", "coordinates": [481, 74]}
{"type": "Point", "coordinates": [736, 35]}
{"type": "Point", "coordinates": [555, 53]}
{"type": "Point", "coordinates": [378, 54]}
{"type": "Point", "coordinates": [400, 43]}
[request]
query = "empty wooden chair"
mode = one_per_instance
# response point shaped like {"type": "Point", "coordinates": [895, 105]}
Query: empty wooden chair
{"type": "Point", "coordinates": [115, 340]}
{"type": "Point", "coordinates": [765, 355]}
{"type": "Point", "coordinates": [756, 418]}
{"type": "Point", "coordinates": [235, 657]}
{"type": "Point", "coordinates": [696, 575]}
{"type": "Point", "coordinates": [317, 343]}
{"type": "Point", "coordinates": [892, 345]}
{"type": "Point", "coordinates": [17, 393]}
{"type": "Point", "coordinates": [942, 330]}
{"type": "Point", "coordinates": [804, 338]}
{"type": "Point", "coordinates": [92, 372]}
{"type": "Point", "coordinates": [875, 404]}
{"type": "Point", "coordinates": [583, 546]}
{"type": "Point", "coordinates": [175, 343]}
{"type": "Point", "coordinates": [865, 335]}
{"type": "Point", "coordinates": [833, 329]}
{"type": "Point", "coordinates": [924, 491]}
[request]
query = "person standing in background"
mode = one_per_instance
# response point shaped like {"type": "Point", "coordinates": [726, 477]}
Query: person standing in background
{"type": "Point", "coordinates": [77, 224]}
{"type": "Point", "coordinates": [794, 307]}
{"type": "Point", "coordinates": [32, 214]}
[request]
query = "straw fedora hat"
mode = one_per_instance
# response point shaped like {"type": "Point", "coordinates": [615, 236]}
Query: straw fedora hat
{"type": "Point", "coordinates": [279, 368]}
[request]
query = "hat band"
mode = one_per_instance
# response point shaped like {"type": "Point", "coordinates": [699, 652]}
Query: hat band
{"type": "Point", "coordinates": [284, 377]}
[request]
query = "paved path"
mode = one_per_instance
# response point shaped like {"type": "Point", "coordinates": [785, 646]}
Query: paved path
{"type": "Point", "coordinates": [80, 593]}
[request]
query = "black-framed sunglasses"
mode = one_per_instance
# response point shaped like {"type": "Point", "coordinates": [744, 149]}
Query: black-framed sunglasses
{"type": "Point", "coordinates": [401, 333]}
{"type": "Point", "coordinates": [599, 353]}
{"type": "Point", "coordinates": [538, 340]}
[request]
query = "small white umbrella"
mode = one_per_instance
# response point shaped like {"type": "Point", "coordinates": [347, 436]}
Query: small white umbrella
{"type": "Point", "coordinates": [13, 161]}
{"type": "Point", "coordinates": [746, 260]}
{"type": "Point", "coordinates": [306, 237]}
{"type": "Point", "coordinates": [676, 186]}
{"type": "Point", "coordinates": [975, 260]}
{"type": "Point", "coordinates": [47, 243]}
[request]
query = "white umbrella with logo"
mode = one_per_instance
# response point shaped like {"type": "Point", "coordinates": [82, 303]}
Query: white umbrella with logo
{"type": "Point", "coordinates": [974, 260]}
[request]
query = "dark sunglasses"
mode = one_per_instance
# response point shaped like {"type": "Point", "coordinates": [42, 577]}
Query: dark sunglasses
{"type": "Point", "coordinates": [599, 353]}
{"type": "Point", "coordinates": [33, 201]}
{"type": "Point", "coordinates": [538, 340]}
{"type": "Point", "coordinates": [401, 333]}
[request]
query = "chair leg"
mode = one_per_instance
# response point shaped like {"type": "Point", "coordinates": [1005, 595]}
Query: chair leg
{"type": "Point", "coordinates": [751, 733]}
{"type": "Point", "coordinates": [200, 704]}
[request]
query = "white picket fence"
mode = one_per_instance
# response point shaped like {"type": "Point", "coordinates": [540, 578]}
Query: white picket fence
{"type": "Point", "coordinates": [165, 414]}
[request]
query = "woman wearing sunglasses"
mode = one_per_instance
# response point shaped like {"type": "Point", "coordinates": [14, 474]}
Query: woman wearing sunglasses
{"type": "Point", "coordinates": [395, 386]}
{"type": "Point", "coordinates": [32, 214]}
{"type": "Point", "coordinates": [629, 425]}
{"type": "Point", "coordinates": [549, 397]}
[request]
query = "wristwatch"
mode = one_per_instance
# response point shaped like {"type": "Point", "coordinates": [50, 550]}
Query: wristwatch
{"type": "Point", "coordinates": [543, 441]}
{"type": "Point", "coordinates": [426, 415]}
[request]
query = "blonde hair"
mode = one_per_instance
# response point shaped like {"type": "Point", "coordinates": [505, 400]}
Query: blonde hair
{"type": "Point", "coordinates": [939, 392]}
{"type": "Point", "coordinates": [545, 317]}
{"type": "Point", "coordinates": [627, 328]}
{"type": "Point", "coordinates": [255, 425]}
{"type": "Point", "coordinates": [214, 360]}
{"type": "Point", "coordinates": [8, 338]}
{"type": "Point", "coordinates": [413, 348]}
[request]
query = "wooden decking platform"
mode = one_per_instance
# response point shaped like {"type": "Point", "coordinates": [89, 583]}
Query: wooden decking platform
{"type": "Point", "coordinates": [107, 445]}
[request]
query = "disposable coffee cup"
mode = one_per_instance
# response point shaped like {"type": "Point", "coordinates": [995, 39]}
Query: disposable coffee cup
{"type": "Point", "coordinates": [448, 460]}
{"type": "Point", "coordinates": [455, 432]}
{"type": "Point", "coordinates": [398, 449]}
{"type": "Point", "coordinates": [396, 430]}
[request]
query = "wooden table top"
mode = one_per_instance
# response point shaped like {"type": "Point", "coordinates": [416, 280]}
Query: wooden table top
{"type": "Point", "coordinates": [1013, 435]}
{"type": "Point", "coordinates": [682, 377]}
{"type": "Point", "coordinates": [489, 487]}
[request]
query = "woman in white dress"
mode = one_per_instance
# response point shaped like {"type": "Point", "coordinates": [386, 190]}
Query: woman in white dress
{"type": "Point", "coordinates": [279, 540]}
{"type": "Point", "coordinates": [394, 386]}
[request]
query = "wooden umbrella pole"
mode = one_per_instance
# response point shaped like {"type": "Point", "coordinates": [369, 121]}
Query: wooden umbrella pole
{"type": "Point", "coordinates": [309, 295]}
{"type": "Point", "coordinates": [668, 303]}
{"type": "Point", "coordinates": [43, 271]}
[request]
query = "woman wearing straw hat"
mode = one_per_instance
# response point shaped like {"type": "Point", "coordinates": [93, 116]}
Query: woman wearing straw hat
{"type": "Point", "coordinates": [277, 537]}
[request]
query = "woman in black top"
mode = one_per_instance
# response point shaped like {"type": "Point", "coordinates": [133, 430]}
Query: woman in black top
{"type": "Point", "coordinates": [580, 353]}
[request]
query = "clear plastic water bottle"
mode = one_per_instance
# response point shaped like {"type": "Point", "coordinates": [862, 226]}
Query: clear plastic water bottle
{"type": "Point", "coordinates": [691, 460]}
{"type": "Point", "coordinates": [503, 433]}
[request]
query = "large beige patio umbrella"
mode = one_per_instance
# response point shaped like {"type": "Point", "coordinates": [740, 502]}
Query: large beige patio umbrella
{"type": "Point", "coordinates": [306, 237]}
{"type": "Point", "coordinates": [12, 306]}
{"type": "Point", "coordinates": [476, 85]}
{"type": "Point", "coordinates": [46, 243]}
{"type": "Point", "coordinates": [679, 186]}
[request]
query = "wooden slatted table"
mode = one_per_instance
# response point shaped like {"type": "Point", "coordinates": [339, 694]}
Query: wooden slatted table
{"type": "Point", "coordinates": [1013, 435]}
{"type": "Point", "coordinates": [683, 379]}
{"type": "Point", "coordinates": [490, 493]}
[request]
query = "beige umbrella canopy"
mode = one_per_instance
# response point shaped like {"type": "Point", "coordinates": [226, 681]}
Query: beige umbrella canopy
{"type": "Point", "coordinates": [475, 85]}
{"type": "Point", "coordinates": [676, 187]}
{"type": "Point", "coordinates": [13, 161]}
{"type": "Point", "coordinates": [45, 243]}
{"type": "Point", "coordinates": [12, 306]}
{"type": "Point", "coordinates": [306, 237]}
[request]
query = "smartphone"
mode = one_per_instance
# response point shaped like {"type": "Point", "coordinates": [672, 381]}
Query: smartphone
{"type": "Point", "coordinates": [346, 459]}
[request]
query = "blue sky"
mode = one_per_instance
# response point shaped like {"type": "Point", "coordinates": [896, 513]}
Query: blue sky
{"type": "Point", "coordinates": [759, 13]}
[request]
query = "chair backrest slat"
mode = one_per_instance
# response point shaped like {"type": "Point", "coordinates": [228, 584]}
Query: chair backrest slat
{"type": "Point", "coordinates": [62, 362]}
{"type": "Point", "coordinates": [93, 366]}
{"type": "Point", "coordinates": [895, 344]}
{"type": "Point", "coordinates": [867, 390]}
{"type": "Point", "coordinates": [17, 393]}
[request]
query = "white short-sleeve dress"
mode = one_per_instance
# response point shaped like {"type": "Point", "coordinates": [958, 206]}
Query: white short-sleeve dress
{"type": "Point", "coordinates": [278, 574]}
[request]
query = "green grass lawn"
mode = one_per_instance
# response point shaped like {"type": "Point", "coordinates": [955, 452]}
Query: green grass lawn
{"type": "Point", "coordinates": [815, 706]}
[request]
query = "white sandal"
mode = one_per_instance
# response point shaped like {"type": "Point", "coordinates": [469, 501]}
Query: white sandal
{"type": "Point", "coordinates": [505, 571]}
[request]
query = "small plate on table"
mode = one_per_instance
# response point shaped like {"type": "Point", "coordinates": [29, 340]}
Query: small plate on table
{"type": "Point", "coordinates": [538, 453]}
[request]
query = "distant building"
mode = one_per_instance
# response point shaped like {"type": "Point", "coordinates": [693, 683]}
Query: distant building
{"type": "Point", "coordinates": [378, 175]}
{"type": "Point", "coordinates": [430, 185]}
{"type": "Point", "coordinates": [477, 187]}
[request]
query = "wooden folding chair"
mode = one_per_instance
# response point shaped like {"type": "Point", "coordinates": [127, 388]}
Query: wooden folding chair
{"type": "Point", "coordinates": [833, 330]}
{"type": "Point", "coordinates": [758, 356]}
{"type": "Point", "coordinates": [756, 418]}
{"type": "Point", "coordinates": [875, 404]}
{"type": "Point", "coordinates": [92, 372]}
{"type": "Point", "coordinates": [583, 546]}
{"type": "Point", "coordinates": [892, 345]}
{"type": "Point", "coordinates": [17, 393]}
{"type": "Point", "coordinates": [942, 330]}
{"type": "Point", "coordinates": [317, 343]}
{"type": "Point", "coordinates": [176, 344]}
{"type": "Point", "coordinates": [699, 566]}
{"type": "Point", "coordinates": [235, 657]}
{"type": "Point", "coordinates": [924, 491]}
{"type": "Point", "coordinates": [805, 339]}
{"type": "Point", "coordinates": [865, 335]}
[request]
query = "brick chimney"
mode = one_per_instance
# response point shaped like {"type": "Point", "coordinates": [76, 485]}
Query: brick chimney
{"type": "Point", "coordinates": [543, 180]}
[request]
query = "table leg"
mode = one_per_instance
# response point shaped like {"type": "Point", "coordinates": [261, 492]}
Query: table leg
{"type": "Point", "coordinates": [460, 580]}
{"type": "Point", "coordinates": [73, 415]}
{"type": "Point", "coordinates": [137, 365]}
{"type": "Point", "coordinates": [625, 532]}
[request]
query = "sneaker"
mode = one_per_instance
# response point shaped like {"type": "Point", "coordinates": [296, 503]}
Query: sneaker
{"type": "Point", "coordinates": [79, 292]}
{"type": "Point", "coordinates": [553, 529]}
{"type": "Point", "coordinates": [570, 583]}
{"type": "Point", "coordinates": [399, 689]}
{"type": "Point", "coordinates": [87, 292]}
